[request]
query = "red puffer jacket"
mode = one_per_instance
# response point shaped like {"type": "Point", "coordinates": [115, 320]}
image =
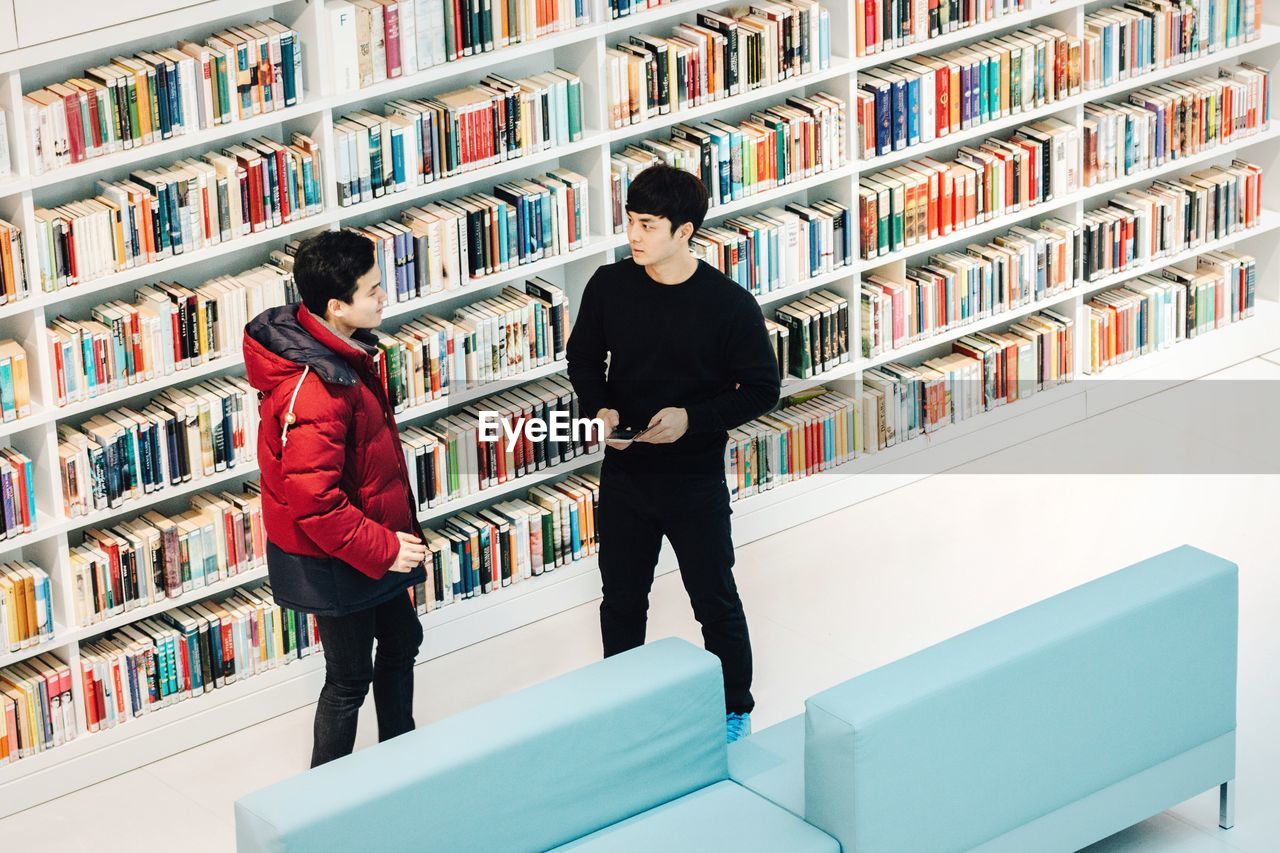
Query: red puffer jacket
{"type": "Point", "coordinates": [334, 485]}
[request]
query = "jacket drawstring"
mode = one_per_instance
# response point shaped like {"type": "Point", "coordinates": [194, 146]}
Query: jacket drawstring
{"type": "Point", "coordinates": [289, 416]}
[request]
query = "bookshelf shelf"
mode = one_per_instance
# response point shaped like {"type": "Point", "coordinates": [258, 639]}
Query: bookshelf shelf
{"type": "Point", "coordinates": [92, 757]}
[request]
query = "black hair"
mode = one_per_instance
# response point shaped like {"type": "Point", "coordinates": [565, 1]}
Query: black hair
{"type": "Point", "coordinates": [328, 265]}
{"type": "Point", "coordinates": [672, 193]}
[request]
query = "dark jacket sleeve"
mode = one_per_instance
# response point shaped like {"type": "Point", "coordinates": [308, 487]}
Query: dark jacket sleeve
{"type": "Point", "coordinates": [752, 365]}
{"type": "Point", "coordinates": [586, 352]}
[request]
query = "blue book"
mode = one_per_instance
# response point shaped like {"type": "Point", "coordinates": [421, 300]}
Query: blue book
{"type": "Point", "coordinates": [8, 402]}
{"type": "Point", "coordinates": [884, 115]}
{"type": "Point", "coordinates": [503, 258]}
{"type": "Point", "coordinates": [397, 161]}
{"type": "Point", "coordinates": [966, 117]}
{"type": "Point", "coordinates": [913, 111]}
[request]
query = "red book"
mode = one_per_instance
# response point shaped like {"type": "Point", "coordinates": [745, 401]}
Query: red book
{"type": "Point", "coordinates": [119, 687]}
{"type": "Point", "coordinates": [75, 128]}
{"type": "Point", "coordinates": [94, 128]}
{"type": "Point", "coordinates": [459, 15]}
{"type": "Point", "coordinates": [91, 713]}
{"type": "Point", "coordinates": [391, 31]}
{"type": "Point", "coordinates": [870, 23]}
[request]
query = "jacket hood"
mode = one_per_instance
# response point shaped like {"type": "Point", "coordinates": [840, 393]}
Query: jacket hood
{"type": "Point", "coordinates": [280, 342]}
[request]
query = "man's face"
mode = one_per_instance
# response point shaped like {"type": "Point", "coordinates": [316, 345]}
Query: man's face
{"type": "Point", "coordinates": [651, 239]}
{"type": "Point", "coordinates": [365, 309]}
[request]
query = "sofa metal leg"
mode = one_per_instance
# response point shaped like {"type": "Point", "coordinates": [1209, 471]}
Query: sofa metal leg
{"type": "Point", "coordinates": [1227, 804]}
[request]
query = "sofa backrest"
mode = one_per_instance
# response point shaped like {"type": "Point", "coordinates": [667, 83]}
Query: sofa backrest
{"type": "Point", "coordinates": [530, 771]}
{"type": "Point", "coordinates": [971, 738]}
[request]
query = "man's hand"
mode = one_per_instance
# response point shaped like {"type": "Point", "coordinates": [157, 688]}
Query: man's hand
{"type": "Point", "coordinates": [412, 552]}
{"type": "Point", "coordinates": [611, 419]}
{"type": "Point", "coordinates": [666, 426]}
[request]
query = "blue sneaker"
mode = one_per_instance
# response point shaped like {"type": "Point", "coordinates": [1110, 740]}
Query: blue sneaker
{"type": "Point", "coordinates": [736, 726]}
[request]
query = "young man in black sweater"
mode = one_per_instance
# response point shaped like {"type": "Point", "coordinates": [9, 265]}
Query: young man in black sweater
{"type": "Point", "coordinates": [688, 359]}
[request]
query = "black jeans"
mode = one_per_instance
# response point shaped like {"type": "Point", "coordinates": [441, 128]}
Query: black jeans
{"type": "Point", "coordinates": [350, 667]}
{"type": "Point", "coordinates": [636, 511]}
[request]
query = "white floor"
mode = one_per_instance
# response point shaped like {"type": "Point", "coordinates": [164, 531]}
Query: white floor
{"type": "Point", "coordinates": [927, 561]}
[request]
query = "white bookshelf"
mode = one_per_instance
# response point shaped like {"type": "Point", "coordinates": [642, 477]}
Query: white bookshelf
{"type": "Point", "coordinates": [93, 757]}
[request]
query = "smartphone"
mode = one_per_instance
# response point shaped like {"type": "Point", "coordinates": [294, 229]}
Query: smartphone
{"type": "Point", "coordinates": [625, 434]}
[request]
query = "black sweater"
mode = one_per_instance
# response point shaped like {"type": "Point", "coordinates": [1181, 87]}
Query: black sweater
{"type": "Point", "coordinates": [700, 345]}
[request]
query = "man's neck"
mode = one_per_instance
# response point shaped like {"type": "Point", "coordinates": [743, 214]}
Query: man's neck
{"type": "Point", "coordinates": [676, 269]}
{"type": "Point", "coordinates": [340, 329]}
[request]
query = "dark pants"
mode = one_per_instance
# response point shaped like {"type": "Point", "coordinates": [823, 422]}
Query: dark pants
{"type": "Point", "coordinates": [350, 667]}
{"type": "Point", "coordinates": [636, 511]}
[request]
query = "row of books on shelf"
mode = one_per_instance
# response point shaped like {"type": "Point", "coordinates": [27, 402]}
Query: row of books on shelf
{"type": "Point", "coordinates": [451, 458]}
{"type": "Point", "coordinates": [193, 204]}
{"type": "Point", "coordinates": [168, 329]}
{"type": "Point", "coordinates": [773, 147]}
{"type": "Point", "coordinates": [495, 339]}
{"type": "Point", "coordinates": [1168, 122]}
{"type": "Point", "coordinates": [138, 100]}
{"type": "Point", "coordinates": [1138, 227]}
{"type": "Point", "coordinates": [190, 651]}
{"type": "Point", "coordinates": [821, 429]}
{"type": "Point", "coordinates": [377, 40]}
{"type": "Point", "coordinates": [811, 335]}
{"type": "Point", "coordinates": [26, 606]}
{"type": "Point", "coordinates": [915, 101]}
{"type": "Point", "coordinates": [1158, 310]}
{"type": "Point", "coordinates": [1123, 42]}
{"type": "Point", "coordinates": [448, 244]}
{"type": "Point", "coordinates": [480, 552]}
{"type": "Point", "coordinates": [779, 247]}
{"type": "Point", "coordinates": [718, 56]}
{"type": "Point", "coordinates": [421, 141]}
{"type": "Point", "coordinates": [159, 556]}
{"type": "Point", "coordinates": [924, 199]}
{"type": "Point", "coordinates": [958, 288]}
{"type": "Point", "coordinates": [37, 712]}
{"type": "Point", "coordinates": [881, 25]}
{"type": "Point", "coordinates": [182, 434]}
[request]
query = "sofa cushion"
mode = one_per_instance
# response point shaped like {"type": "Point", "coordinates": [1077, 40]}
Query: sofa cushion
{"type": "Point", "coordinates": [771, 763]}
{"type": "Point", "coordinates": [529, 771]}
{"type": "Point", "coordinates": [724, 816]}
{"type": "Point", "coordinates": [960, 743]}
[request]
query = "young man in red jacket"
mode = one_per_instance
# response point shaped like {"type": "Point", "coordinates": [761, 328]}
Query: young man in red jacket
{"type": "Point", "coordinates": [343, 540]}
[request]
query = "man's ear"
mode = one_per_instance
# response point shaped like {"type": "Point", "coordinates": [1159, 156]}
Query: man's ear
{"type": "Point", "coordinates": [685, 231]}
{"type": "Point", "coordinates": [334, 308]}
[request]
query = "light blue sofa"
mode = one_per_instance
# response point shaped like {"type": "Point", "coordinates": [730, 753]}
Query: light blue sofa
{"type": "Point", "coordinates": [1045, 730]}
{"type": "Point", "coordinates": [626, 755]}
